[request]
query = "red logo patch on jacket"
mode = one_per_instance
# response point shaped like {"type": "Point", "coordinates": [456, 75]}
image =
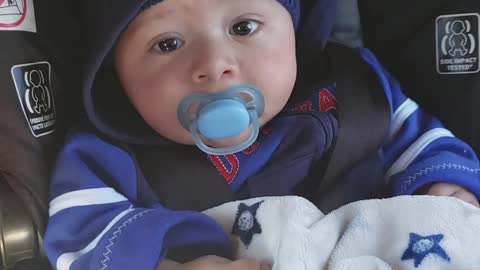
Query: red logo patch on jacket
{"type": "Point", "coordinates": [227, 166]}
{"type": "Point", "coordinates": [249, 150]}
{"type": "Point", "coordinates": [327, 101]}
{"type": "Point", "coordinates": [306, 105]}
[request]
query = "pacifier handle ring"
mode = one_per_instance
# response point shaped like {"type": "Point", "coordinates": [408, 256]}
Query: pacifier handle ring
{"type": "Point", "coordinates": [251, 105]}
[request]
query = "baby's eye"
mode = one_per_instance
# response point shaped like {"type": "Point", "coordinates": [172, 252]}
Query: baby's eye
{"type": "Point", "coordinates": [244, 28]}
{"type": "Point", "coordinates": [168, 45]}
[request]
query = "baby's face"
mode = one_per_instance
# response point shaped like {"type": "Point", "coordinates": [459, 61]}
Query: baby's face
{"type": "Point", "coordinates": [181, 47]}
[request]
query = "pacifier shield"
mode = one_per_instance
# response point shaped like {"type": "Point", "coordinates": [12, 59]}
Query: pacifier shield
{"type": "Point", "coordinates": [223, 115]}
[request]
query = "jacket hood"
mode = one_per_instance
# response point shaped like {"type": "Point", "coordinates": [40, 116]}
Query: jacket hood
{"type": "Point", "coordinates": [106, 105]}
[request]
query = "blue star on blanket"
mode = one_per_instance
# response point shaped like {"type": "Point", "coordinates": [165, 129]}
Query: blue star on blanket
{"type": "Point", "coordinates": [421, 246]}
{"type": "Point", "coordinates": [246, 224]}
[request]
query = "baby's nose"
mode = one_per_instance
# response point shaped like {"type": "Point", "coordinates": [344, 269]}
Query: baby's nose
{"type": "Point", "coordinates": [211, 74]}
{"type": "Point", "coordinates": [214, 63]}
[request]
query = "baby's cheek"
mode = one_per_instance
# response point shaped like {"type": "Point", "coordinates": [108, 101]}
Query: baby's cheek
{"type": "Point", "coordinates": [180, 135]}
{"type": "Point", "coordinates": [170, 128]}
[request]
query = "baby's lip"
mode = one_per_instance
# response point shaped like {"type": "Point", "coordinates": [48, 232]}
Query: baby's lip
{"type": "Point", "coordinates": [217, 88]}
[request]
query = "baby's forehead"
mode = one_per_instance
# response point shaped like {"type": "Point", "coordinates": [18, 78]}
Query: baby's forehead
{"type": "Point", "coordinates": [171, 8]}
{"type": "Point", "coordinates": [173, 12]}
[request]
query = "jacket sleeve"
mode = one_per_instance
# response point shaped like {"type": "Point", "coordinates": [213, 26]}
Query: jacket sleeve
{"type": "Point", "coordinates": [419, 149]}
{"type": "Point", "coordinates": [97, 222]}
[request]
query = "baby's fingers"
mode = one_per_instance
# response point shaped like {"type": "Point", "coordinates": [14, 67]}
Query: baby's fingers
{"type": "Point", "coordinates": [466, 196]}
{"type": "Point", "coordinates": [453, 190]}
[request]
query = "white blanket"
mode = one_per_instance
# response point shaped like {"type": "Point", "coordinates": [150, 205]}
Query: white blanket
{"type": "Point", "coordinates": [410, 232]}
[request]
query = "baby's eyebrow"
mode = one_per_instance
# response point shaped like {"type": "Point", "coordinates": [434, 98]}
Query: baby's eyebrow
{"type": "Point", "coordinates": [158, 16]}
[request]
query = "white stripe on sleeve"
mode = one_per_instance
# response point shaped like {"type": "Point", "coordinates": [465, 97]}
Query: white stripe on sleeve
{"type": "Point", "coordinates": [415, 149]}
{"type": "Point", "coordinates": [401, 115]}
{"type": "Point", "coordinates": [86, 197]}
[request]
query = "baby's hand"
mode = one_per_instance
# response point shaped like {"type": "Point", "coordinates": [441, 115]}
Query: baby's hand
{"type": "Point", "coordinates": [214, 263]}
{"type": "Point", "coordinates": [453, 190]}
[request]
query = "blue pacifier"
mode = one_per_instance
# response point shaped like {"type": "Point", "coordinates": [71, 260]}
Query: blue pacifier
{"type": "Point", "coordinates": [222, 115]}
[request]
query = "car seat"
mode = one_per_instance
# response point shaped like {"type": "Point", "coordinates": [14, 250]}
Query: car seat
{"type": "Point", "coordinates": [432, 47]}
{"type": "Point", "coordinates": [39, 94]}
